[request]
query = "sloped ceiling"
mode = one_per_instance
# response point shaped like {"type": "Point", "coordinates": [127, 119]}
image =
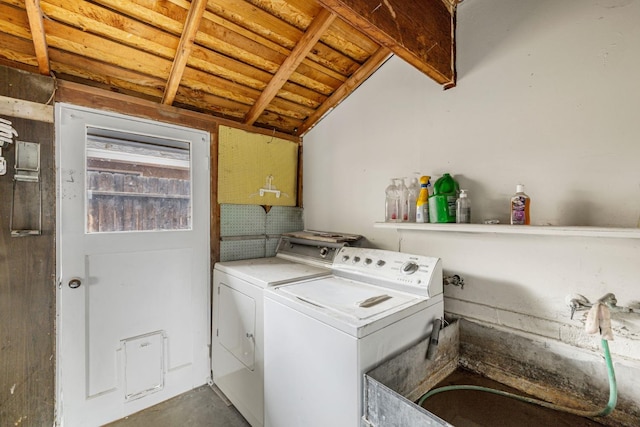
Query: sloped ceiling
{"type": "Point", "coordinates": [276, 64]}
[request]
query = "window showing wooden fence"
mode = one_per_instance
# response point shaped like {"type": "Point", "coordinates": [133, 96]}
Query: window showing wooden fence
{"type": "Point", "coordinates": [136, 182]}
{"type": "Point", "coordinates": [131, 202]}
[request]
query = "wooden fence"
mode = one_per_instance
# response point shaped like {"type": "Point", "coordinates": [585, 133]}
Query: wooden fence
{"type": "Point", "coordinates": [132, 202]}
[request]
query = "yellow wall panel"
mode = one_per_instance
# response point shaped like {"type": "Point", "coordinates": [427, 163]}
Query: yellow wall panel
{"type": "Point", "coordinates": [248, 162]}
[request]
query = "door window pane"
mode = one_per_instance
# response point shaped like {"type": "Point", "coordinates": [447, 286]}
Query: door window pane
{"type": "Point", "coordinates": [136, 182]}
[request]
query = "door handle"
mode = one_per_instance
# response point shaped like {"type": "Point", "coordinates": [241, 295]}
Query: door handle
{"type": "Point", "coordinates": [75, 283]}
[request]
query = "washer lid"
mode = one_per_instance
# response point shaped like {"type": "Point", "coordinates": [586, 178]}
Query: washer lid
{"type": "Point", "coordinates": [271, 271]}
{"type": "Point", "coordinates": [356, 300]}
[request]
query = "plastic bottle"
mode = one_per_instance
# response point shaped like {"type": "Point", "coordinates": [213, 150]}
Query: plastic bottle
{"type": "Point", "coordinates": [463, 208]}
{"type": "Point", "coordinates": [422, 203]}
{"type": "Point", "coordinates": [404, 196]}
{"type": "Point", "coordinates": [520, 203]}
{"type": "Point", "coordinates": [414, 190]}
{"type": "Point", "coordinates": [392, 202]}
{"type": "Point", "coordinates": [442, 205]}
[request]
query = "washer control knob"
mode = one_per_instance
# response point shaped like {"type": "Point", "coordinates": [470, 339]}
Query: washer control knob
{"type": "Point", "coordinates": [367, 261]}
{"type": "Point", "coordinates": [356, 259]}
{"type": "Point", "coordinates": [409, 267]}
{"type": "Point", "coordinates": [380, 263]}
{"type": "Point", "coordinates": [345, 258]}
{"type": "Point", "coordinates": [324, 252]}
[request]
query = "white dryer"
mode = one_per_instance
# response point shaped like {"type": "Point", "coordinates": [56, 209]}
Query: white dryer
{"type": "Point", "coordinates": [237, 333]}
{"type": "Point", "coordinates": [323, 334]}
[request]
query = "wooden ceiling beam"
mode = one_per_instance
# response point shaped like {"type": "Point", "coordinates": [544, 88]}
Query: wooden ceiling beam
{"type": "Point", "coordinates": [184, 49]}
{"type": "Point", "coordinates": [420, 32]}
{"type": "Point", "coordinates": [363, 73]}
{"type": "Point", "coordinates": [311, 36]}
{"type": "Point", "coordinates": [34, 13]}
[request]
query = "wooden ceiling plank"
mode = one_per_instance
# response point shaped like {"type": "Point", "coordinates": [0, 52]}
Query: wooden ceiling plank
{"type": "Point", "coordinates": [184, 49]}
{"type": "Point", "coordinates": [133, 33]}
{"type": "Point", "coordinates": [110, 75]}
{"type": "Point", "coordinates": [273, 121]}
{"type": "Point", "coordinates": [231, 31]}
{"type": "Point", "coordinates": [155, 13]}
{"type": "Point", "coordinates": [15, 22]}
{"type": "Point", "coordinates": [359, 39]}
{"type": "Point", "coordinates": [92, 46]}
{"type": "Point", "coordinates": [261, 23]}
{"type": "Point", "coordinates": [258, 21]}
{"type": "Point", "coordinates": [315, 30]}
{"type": "Point", "coordinates": [421, 32]}
{"type": "Point", "coordinates": [368, 68]}
{"type": "Point", "coordinates": [38, 34]}
{"type": "Point", "coordinates": [168, 17]}
{"type": "Point", "coordinates": [84, 95]}
{"type": "Point", "coordinates": [220, 65]}
{"type": "Point", "coordinates": [113, 25]}
{"type": "Point", "coordinates": [341, 37]}
{"type": "Point", "coordinates": [18, 50]}
{"type": "Point", "coordinates": [211, 104]}
{"type": "Point", "coordinates": [242, 48]}
{"type": "Point", "coordinates": [71, 67]}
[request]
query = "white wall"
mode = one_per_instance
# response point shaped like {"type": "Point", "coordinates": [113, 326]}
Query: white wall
{"type": "Point", "coordinates": [548, 95]}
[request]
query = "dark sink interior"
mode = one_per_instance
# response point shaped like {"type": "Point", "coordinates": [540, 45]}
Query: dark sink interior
{"type": "Point", "coordinates": [468, 408]}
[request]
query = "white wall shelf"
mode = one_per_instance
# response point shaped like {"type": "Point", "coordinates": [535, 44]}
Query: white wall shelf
{"type": "Point", "coordinates": [538, 230]}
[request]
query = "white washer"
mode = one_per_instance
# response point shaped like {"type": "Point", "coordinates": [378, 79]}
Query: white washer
{"type": "Point", "coordinates": [323, 334]}
{"type": "Point", "coordinates": [237, 332]}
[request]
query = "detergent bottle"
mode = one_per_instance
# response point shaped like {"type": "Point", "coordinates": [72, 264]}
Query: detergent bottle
{"type": "Point", "coordinates": [422, 203]}
{"type": "Point", "coordinates": [442, 205]}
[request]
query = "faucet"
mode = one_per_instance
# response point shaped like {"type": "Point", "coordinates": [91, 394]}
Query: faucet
{"type": "Point", "coordinates": [577, 302]}
{"type": "Point", "coordinates": [454, 280]}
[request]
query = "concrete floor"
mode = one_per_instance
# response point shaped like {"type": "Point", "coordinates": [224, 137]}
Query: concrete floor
{"type": "Point", "coordinates": [198, 407]}
{"type": "Point", "coordinates": [204, 407]}
{"type": "Point", "coordinates": [479, 409]}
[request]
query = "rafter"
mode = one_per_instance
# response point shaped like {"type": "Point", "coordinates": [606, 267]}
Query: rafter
{"type": "Point", "coordinates": [184, 49]}
{"type": "Point", "coordinates": [356, 79]}
{"type": "Point", "coordinates": [315, 30]}
{"type": "Point", "coordinates": [420, 32]}
{"type": "Point", "coordinates": [34, 13]}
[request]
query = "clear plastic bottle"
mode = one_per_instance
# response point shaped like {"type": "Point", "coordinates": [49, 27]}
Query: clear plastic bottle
{"type": "Point", "coordinates": [414, 190]}
{"type": "Point", "coordinates": [392, 202]}
{"type": "Point", "coordinates": [404, 196]}
{"type": "Point", "coordinates": [520, 203]}
{"type": "Point", "coordinates": [463, 208]}
{"type": "Point", "coordinates": [422, 204]}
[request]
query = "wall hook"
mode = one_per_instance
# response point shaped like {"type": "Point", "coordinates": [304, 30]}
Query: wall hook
{"type": "Point", "coordinates": [269, 188]}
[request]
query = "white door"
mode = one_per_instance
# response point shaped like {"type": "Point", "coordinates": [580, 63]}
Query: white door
{"type": "Point", "coordinates": [133, 264]}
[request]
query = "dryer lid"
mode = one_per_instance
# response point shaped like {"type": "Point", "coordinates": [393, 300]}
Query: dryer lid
{"type": "Point", "coordinates": [271, 271]}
